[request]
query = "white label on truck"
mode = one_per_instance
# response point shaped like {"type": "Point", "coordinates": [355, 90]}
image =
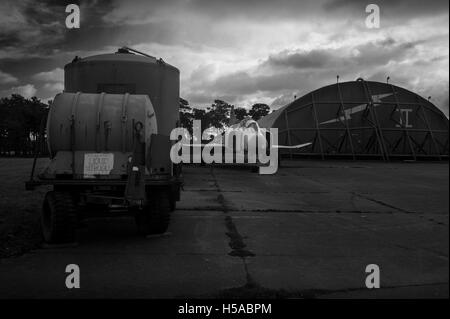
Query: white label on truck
{"type": "Point", "coordinates": [98, 164]}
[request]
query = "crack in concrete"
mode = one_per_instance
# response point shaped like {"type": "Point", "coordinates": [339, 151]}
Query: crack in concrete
{"type": "Point", "coordinates": [324, 292]}
{"type": "Point", "coordinates": [299, 211]}
{"type": "Point", "coordinates": [255, 291]}
{"type": "Point", "coordinates": [363, 196]}
{"type": "Point", "coordinates": [377, 201]}
{"type": "Point", "coordinates": [373, 233]}
{"type": "Point", "coordinates": [399, 210]}
{"type": "Point", "coordinates": [236, 242]}
{"type": "Point", "coordinates": [259, 191]}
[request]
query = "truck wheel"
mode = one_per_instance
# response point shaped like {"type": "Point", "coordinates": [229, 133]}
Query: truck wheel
{"type": "Point", "coordinates": [58, 219]}
{"type": "Point", "coordinates": [155, 218]}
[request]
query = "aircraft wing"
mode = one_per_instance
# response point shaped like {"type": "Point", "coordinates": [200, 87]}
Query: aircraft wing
{"type": "Point", "coordinates": [275, 146]}
{"type": "Point", "coordinates": [292, 146]}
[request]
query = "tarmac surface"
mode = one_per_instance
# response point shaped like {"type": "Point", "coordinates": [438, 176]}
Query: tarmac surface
{"type": "Point", "coordinates": [308, 231]}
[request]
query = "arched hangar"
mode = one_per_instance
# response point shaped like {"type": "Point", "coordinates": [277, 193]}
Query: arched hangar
{"type": "Point", "coordinates": [359, 119]}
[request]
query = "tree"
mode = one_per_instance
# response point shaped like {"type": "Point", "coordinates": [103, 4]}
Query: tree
{"type": "Point", "coordinates": [184, 105]}
{"type": "Point", "coordinates": [258, 111]}
{"type": "Point", "coordinates": [20, 124]}
{"type": "Point", "coordinates": [240, 112]}
{"type": "Point", "coordinates": [218, 113]}
{"type": "Point", "coordinates": [186, 115]}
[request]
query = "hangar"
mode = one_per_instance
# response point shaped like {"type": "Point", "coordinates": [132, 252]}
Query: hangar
{"type": "Point", "coordinates": [362, 119]}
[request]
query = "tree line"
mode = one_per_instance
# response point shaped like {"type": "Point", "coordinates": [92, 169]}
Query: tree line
{"type": "Point", "coordinates": [22, 121]}
{"type": "Point", "coordinates": [218, 114]}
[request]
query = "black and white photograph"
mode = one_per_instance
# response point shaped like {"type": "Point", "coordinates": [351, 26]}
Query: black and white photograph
{"type": "Point", "coordinates": [224, 155]}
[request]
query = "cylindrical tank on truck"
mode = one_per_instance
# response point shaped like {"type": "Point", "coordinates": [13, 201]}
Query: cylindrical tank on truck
{"type": "Point", "coordinates": [108, 139]}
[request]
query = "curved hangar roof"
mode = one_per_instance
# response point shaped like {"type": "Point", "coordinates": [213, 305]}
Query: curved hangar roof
{"type": "Point", "coordinates": [362, 119]}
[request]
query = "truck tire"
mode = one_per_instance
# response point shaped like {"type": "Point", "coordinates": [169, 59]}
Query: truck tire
{"type": "Point", "coordinates": [154, 218]}
{"type": "Point", "coordinates": [58, 219]}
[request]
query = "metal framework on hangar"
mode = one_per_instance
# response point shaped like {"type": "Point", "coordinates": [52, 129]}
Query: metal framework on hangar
{"type": "Point", "coordinates": [413, 143]}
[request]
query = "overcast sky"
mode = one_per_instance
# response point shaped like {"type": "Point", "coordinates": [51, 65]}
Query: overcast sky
{"type": "Point", "coordinates": [240, 51]}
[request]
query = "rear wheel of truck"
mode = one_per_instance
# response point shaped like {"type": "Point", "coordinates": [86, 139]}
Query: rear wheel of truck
{"type": "Point", "coordinates": [58, 219]}
{"type": "Point", "coordinates": [154, 218]}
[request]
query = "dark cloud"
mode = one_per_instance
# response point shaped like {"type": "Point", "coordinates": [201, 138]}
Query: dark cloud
{"type": "Point", "coordinates": [241, 84]}
{"type": "Point", "coordinates": [234, 50]}
{"type": "Point", "coordinates": [289, 73]}
{"type": "Point", "coordinates": [368, 54]}
{"type": "Point", "coordinates": [390, 8]}
{"type": "Point", "coordinates": [300, 60]}
{"type": "Point", "coordinates": [108, 23]}
{"type": "Point", "coordinates": [7, 79]}
{"type": "Point", "coordinates": [214, 10]}
{"type": "Point", "coordinates": [40, 28]}
{"type": "Point", "coordinates": [257, 9]}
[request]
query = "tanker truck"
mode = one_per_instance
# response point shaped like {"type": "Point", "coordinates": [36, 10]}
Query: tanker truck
{"type": "Point", "coordinates": [108, 136]}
